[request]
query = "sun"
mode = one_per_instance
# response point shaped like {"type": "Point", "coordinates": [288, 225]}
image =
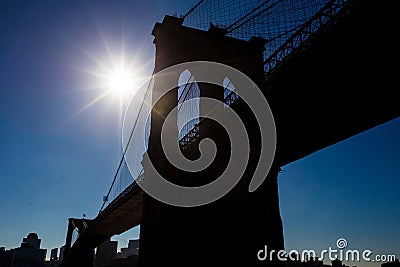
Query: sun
{"type": "Point", "coordinates": [114, 81]}
{"type": "Point", "coordinates": [120, 81]}
{"type": "Point", "coordinates": [113, 76]}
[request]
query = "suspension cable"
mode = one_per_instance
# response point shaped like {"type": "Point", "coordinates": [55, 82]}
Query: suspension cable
{"type": "Point", "coordinates": [127, 145]}
{"type": "Point", "coordinates": [192, 9]}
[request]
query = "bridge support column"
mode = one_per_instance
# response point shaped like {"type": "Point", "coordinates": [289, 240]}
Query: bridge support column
{"type": "Point", "coordinates": [82, 258]}
{"type": "Point", "coordinates": [83, 255]}
{"type": "Point", "coordinates": [228, 232]}
{"type": "Point", "coordinates": [68, 241]}
{"type": "Point", "coordinates": [233, 229]}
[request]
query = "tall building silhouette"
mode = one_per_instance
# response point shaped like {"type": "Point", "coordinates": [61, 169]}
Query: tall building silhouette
{"type": "Point", "coordinates": [131, 250]}
{"type": "Point", "coordinates": [54, 254]}
{"type": "Point", "coordinates": [395, 263]}
{"type": "Point", "coordinates": [29, 254]}
{"type": "Point", "coordinates": [105, 253]}
{"type": "Point", "coordinates": [61, 255]}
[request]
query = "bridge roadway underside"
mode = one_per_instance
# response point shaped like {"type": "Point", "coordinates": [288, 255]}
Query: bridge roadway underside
{"type": "Point", "coordinates": [122, 214]}
{"type": "Point", "coordinates": [344, 83]}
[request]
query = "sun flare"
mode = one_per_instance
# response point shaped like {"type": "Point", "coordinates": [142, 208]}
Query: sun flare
{"type": "Point", "coordinates": [113, 77]}
{"type": "Point", "coordinates": [120, 81]}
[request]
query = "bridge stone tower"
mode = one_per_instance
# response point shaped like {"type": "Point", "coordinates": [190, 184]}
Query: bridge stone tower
{"type": "Point", "coordinates": [234, 228]}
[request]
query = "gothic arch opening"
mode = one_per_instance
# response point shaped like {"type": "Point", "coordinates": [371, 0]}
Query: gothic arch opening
{"type": "Point", "coordinates": [188, 89]}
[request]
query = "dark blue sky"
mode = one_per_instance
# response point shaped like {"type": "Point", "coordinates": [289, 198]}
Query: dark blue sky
{"type": "Point", "coordinates": [54, 165]}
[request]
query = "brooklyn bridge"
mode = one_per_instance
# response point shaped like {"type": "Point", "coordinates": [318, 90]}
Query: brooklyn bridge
{"type": "Point", "coordinates": [325, 68]}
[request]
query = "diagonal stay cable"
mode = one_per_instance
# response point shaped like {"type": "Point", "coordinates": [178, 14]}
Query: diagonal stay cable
{"type": "Point", "coordinates": [126, 147]}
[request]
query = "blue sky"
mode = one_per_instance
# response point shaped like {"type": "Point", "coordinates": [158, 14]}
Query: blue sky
{"type": "Point", "coordinates": [55, 164]}
{"type": "Point", "coordinates": [60, 163]}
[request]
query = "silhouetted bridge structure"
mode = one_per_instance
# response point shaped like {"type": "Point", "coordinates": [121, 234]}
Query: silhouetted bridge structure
{"type": "Point", "coordinates": [325, 69]}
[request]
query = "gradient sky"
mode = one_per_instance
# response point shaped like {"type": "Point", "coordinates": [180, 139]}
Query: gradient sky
{"type": "Point", "coordinates": [55, 163]}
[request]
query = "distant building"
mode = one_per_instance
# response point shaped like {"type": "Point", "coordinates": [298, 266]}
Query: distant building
{"type": "Point", "coordinates": [61, 255]}
{"type": "Point", "coordinates": [6, 257]}
{"type": "Point", "coordinates": [105, 253]}
{"type": "Point", "coordinates": [54, 254]}
{"type": "Point", "coordinates": [395, 263]}
{"type": "Point", "coordinates": [29, 254]}
{"type": "Point", "coordinates": [131, 250]}
{"type": "Point", "coordinates": [32, 240]}
{"type": "Point", "coordinates": [131, 261]}
{"type": "Point", "coordinates": [312, 262]}
{"type": "Point", "coordinates": [338, 263]}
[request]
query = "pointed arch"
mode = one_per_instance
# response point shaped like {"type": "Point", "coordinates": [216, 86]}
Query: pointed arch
{"type": "Point", "coordinates": [188, 89]}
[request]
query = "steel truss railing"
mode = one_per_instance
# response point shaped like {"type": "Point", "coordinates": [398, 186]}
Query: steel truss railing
{"type": "Point", "coordinates": [320, 22]}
